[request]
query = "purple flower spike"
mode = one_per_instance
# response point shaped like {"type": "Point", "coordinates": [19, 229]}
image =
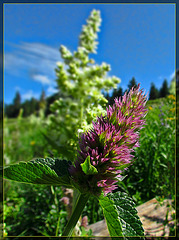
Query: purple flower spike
{"type": "Point", "coordinates": [110, 143]}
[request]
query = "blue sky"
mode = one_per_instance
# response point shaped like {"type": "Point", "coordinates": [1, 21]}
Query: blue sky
{"type": "Point", "coordinates": [137, 40]}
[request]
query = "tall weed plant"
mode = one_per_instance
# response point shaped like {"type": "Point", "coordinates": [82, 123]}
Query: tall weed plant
{"type": "Point", "coordinates": [80, 82]}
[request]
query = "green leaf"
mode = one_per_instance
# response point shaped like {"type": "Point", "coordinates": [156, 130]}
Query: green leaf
{"type": "Point", "coordinates": [88, 168]}
{"type": "Point", "coordinates": [111, 216]}
{"type": "Point", "coordinates": [40, 171]}
{"type": "Point", "coordinates": [164, 155]}
{"type": "Point", "coordinates": [121, 216]}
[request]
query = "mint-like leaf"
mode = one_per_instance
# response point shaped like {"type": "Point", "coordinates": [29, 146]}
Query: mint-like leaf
{"type": "Point", "coordinates": [40, 171]}
{"type": "Point", "coordinates": [121, 215]}
{"type": "Point", "coordinates": [88, 168]}
{"type": "Point", "coordinates": [111, 216]}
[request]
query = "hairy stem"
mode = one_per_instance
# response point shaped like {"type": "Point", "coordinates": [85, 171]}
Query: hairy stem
{"type": "Point", "coordinates": [56, 203]}
{"type": "Point", "coordinates": [80, 204]}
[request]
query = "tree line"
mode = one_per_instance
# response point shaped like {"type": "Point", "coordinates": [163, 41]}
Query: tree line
{"type": "Point", "coordinates": [154, 93]}
{"type": "Point", "coordinates": [33, 105]}
{"type": "Point", "coordinates": [29, 107]}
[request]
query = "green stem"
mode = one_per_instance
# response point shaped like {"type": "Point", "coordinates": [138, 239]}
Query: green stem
{"type": "Point", "coordinates": [82, 200]}
{"type": "Point", "coordinates": [81, 112]}
{"type": "Point", "coordinates": [56, 203]}
{"type": "Point", "coordinates": [76, 195]}
{"type": "Point", "coordinates": [57, 228]}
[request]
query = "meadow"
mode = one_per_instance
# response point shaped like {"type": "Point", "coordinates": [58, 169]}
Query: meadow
{"type": "Point", "coordinates": [32, 210]}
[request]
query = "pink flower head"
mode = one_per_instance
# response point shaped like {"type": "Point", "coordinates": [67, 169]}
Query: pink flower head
{"type": "Point", "coordinates": [65, 200]}
{"type": "Point", "coordinates": [110, 143]}
{"type": "Point", "coordinates": [84, 221]}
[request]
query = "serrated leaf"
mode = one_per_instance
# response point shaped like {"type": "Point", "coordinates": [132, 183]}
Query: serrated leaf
{"type": "Point", "coordinates": [88, 168]}
{"type": "Point", "coordinates": [40, 171]}
{"type": "Point", "coordinates": [121, 216]}
{"type": "Point", "coordinates": [111, 216]}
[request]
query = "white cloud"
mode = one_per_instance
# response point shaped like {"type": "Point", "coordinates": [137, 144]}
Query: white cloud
{"type": "Point", "coordinates": [51, 90]}
{"type": "Point", "coordinates": [28, 95]}
{"type": "Point", "coordinates": [169, 77]}
{"type": "Point", "coordinates": [42, 79]}
{"type": "Point", "coordinates": [172, 75]}
{"type": "Point", "coordinates": [32, 61]}
{"type": "Point", "coordinates": [33, 58]}
{"type": "Point", "coordinates": [40, 49]}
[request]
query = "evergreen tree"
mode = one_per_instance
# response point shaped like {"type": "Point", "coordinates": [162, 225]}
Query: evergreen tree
{"type": "Point", "coordinates": [9, 110]}
{"type": "Point", "coordinates": [34, 105]}
{"type": "Point", "coordinates": [12, 110]}
{"type": "Point", "coordinates": [17, 100]}
{"type": "Point", "coordinates": [116, 93]}
{"type": "Point", "coordinates": [153, 92]}
{"type": "Point", "coordinates": [42, 101]}
{"type": "Point", "coordinates": [30, 107]}
{"type": "Point", "coordinates": [120, 92]}
{"type": "Point", "coordinates": [16, 104]}
{"type": "Point", "coordinates": [132, 83]}
{"type": "Point", "coordinates": [164, 90]}
{"type": "Point", "coordinates": [26, 108]}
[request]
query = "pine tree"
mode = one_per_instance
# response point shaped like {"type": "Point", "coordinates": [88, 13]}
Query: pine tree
{"type": "Point", "coordinates": [17, 99]}
{"type": "Point", "coordinates": [42, 100]}
{"type": "Point", "coordinates": [132, 83]}
{"type": "Point", "coordinates": [153, 92]}
{"type": "Point", "coordinates": [116, 93]}
{"type": "Point", "coordinates": [16, 104]}
{"type": "Point", "coordinates": [164, 90]}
